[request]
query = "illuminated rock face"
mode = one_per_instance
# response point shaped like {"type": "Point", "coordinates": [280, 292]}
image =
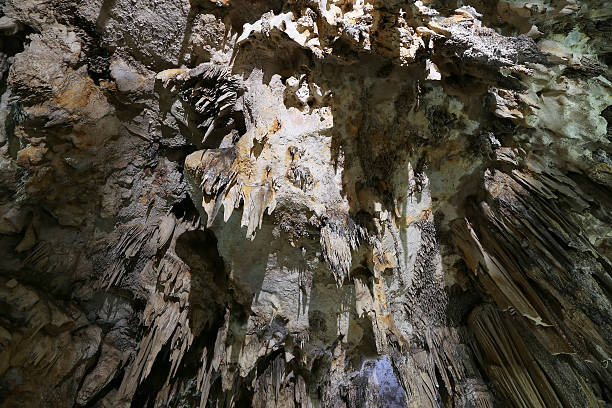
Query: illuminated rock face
{"type": "Point", "coordinates": [305, 203]}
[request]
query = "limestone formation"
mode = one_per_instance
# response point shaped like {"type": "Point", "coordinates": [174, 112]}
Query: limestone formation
{"type": "Point", "coordinates": [305, 203]}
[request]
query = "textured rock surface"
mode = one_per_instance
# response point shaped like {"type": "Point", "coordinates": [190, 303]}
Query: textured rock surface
{"type": "Point", "coordinates": [305, 203]}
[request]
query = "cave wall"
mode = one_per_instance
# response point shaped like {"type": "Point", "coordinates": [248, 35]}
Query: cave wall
{"type": "Point", "coordinates": [305, 203]}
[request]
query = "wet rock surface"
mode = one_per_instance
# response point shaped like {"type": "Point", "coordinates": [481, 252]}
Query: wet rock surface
{"type": "Point", "coordinates": [305, 203]}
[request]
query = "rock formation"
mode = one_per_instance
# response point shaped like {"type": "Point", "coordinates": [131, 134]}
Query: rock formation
{"type": "Point", "coordinates": [305, 203]}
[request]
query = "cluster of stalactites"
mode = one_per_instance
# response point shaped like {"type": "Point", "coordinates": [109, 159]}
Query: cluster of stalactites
{"type": "Point", "coordinates": [209, 90]}
{"type": "Point", "coordinates": [224, 184]}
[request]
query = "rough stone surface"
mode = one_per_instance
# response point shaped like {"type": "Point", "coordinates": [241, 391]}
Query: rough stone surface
{"type": "Point", "coordinates": [330, 203]}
